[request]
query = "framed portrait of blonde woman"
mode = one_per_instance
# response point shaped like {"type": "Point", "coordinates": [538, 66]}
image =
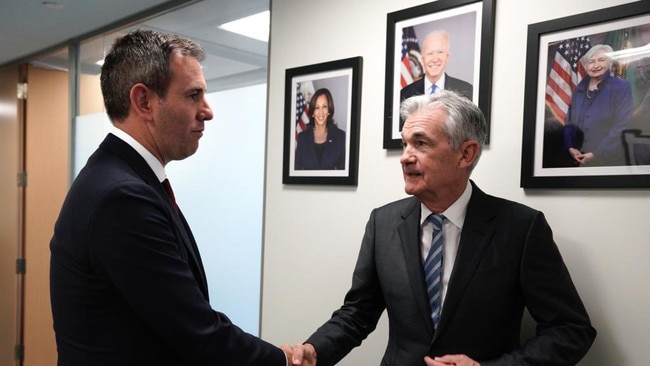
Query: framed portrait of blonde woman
{"type": "Point", "coordinates": [587, 100]}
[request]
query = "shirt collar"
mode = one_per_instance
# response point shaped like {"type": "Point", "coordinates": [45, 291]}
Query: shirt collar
{"type": "Point", "coordinates": [454, 213]}
{"type": "Point", "coordinates": [151, 160]}
{"type": "Point", "coordinates": [440, 84]}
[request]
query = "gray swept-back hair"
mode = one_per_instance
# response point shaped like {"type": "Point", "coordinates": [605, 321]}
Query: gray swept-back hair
{"type": "Point", "coordinates": [464, 120]}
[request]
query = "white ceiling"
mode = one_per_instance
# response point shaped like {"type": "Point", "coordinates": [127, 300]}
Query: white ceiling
{"type": "Point", "coordinates": [31, 31]}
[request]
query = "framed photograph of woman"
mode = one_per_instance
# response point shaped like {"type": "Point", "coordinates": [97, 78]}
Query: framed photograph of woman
{"type": "Point", "coordinates": [445, 44]}
{"type": "Point", "coordinates": [321, 131]}
{"type": "Point", "coordinates": [587, 101]}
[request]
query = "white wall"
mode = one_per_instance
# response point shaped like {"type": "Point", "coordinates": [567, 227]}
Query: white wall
{"type": "Point", "coordinates": [312, 233]}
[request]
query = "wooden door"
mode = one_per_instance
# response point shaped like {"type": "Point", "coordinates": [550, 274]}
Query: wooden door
{"type": "Point", "coordinates": [9, 212]}
{"type": "Point", "coordinates": [47, 149]}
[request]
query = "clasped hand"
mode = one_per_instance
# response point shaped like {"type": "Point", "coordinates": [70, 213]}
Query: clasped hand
{"type": "Point", "coordinates": [305, 355]}
{"type": "Point", "coordinates": [300, 354]}
{"type": "Point", "coordinates": [448, 360]}
{"type": "Point", "coordinates": [579, 157]}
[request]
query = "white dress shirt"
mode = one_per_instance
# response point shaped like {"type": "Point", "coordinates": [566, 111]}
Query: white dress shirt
{"type": "Point", "coordinates": [452, 226]}
{"type": "Point", "coordinates": [440, 84]}
{"type": "Point", "coordinates": [151, 160]}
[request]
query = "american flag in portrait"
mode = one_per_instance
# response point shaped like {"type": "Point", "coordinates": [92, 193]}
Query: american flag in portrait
{"type": "Point", "coordinates": [302, 112]}
{"type": "Point", "coordinates": [565, 73]}
{"type": "Point", "coordinates": [410, 64]}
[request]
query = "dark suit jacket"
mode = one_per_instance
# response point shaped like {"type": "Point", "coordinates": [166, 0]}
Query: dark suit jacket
{"type": "Point", "coordinates": [507, 260]}
{"type": "Point", "coordinates": [333, 157]}
{"type": "Point", "coordinates": [127, 282]}
{"type": "Point", "coordinates": [459, 86]}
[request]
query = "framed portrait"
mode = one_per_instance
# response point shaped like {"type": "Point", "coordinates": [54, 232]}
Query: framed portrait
{"type": "Point", "coordinates": [321, 130]}
{"type": "Point", "coordinates": [586, 104]}
{"type": "Point", "coordinates": [446, 44]}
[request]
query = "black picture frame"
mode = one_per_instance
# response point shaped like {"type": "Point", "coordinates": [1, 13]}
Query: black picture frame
{"type": "Point", "coordinates": [343, 79]}
{"type": "Point", "coordinates": [467, 22]}
{"type": "Point", "coordinates": [550, 93]}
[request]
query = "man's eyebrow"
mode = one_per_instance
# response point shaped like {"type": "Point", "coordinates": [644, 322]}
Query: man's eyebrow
{"type": "Point", "coordinates": [419, 134]}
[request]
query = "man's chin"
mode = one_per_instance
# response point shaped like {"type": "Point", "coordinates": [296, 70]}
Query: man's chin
{"type": "Point", "coordinates": [410, 189]}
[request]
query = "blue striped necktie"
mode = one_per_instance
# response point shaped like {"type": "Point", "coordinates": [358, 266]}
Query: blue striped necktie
{"type": "Point", "coordinates": [433, 268]}
{"type": "Point", "coordinates": [433, 88]}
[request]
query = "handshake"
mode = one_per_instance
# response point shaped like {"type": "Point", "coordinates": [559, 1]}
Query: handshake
{"type": "Point", "coordinates": [300, 354]}
{"type": "Point", "coordinates": [305, 355]}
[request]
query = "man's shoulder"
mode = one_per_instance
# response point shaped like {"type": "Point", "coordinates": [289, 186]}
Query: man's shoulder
{"type": "Point", "coordinates": [414, 88]}
{"type": "Point", "coordinates": [459, 86]}
{"type": "Point", "coordinates": [484, 201]}
{"type": "Point", "coordinates": [402, 206]}
{"type": "Point", "coordinates": [113, 165]}
{"type": "Point", "coordinates": [418, 83]}
{"type": "Point", "coordinates": [456, 84]}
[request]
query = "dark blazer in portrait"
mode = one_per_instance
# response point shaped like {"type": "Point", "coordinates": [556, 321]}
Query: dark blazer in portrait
{"type": "Point", "coordinates": [333, 151]}
{"type": "Point", "coordinates": [127, 283]}
{"type": "Point", "coordinates": [507, 261]}
{"type": "Point", "coordinates": [456, 85]}
{"type": "Point", "coordinates": [595, 123]}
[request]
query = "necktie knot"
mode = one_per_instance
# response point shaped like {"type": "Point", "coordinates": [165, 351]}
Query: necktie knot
{"type": "Point", "coordinates": [436, 220]}
{"type": "Point", "coordinates": [433, 89]}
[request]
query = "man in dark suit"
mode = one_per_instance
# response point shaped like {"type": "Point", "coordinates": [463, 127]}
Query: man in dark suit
{"type": "Point", "coordinates": [127, 282]}
{"type": "Point", "coordinates": [435, 54]}
{"type": "Point", "coordinates": [491, 259]}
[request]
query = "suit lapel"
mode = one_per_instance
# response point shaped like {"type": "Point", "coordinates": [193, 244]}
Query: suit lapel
{"type": "Point", "coordinates": [409, 233]}
{"type": "Point", "coordinates": [447, 85]}
{"type": "Point", "coordinates": [137, 162]}
{"type": "Point", "coordinates": [475, 238]}
{"type": "Point", "coordinates": [193, 252]}
{"type": "Point", "coordinates": [420, 86]}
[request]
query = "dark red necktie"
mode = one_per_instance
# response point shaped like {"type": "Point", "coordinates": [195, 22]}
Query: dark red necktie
{"type": "Point", "coordinates": [170, 193]}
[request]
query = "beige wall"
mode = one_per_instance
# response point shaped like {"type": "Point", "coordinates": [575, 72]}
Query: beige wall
{"type": "Point", "coordinates": [312, 233]}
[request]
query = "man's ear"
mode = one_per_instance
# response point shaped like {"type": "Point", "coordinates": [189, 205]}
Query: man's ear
{"type": "Point", "coordinates": [141, 98]}
{"type": "Point", "coordinates": [469, 153]}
